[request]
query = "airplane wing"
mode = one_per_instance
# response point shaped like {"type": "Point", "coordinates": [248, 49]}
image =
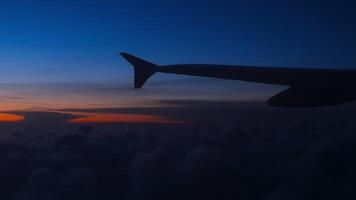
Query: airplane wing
{"type": "Point", "coordinates": [308, 87]}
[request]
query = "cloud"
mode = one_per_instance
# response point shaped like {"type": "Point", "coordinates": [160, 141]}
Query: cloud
{"type": "Point", "coordinates": [260, 154]}
{"type": "Point", "coordinates": [47, 183]}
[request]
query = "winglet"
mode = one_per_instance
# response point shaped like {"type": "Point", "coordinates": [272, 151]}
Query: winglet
{"type": "Point", "coordinates": [143, 69]}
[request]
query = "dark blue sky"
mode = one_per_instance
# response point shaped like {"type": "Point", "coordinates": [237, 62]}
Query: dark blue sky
{"type": "Point", "coordinates": [76, 41]}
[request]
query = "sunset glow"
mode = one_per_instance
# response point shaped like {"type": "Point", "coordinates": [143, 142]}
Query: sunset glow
{"type": "Point", "coordinates": [124, 118]}
{"type": "Point", "coordinates": [4, 117]}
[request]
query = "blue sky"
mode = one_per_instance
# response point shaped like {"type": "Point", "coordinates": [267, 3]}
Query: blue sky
{"type": "Point", "coordinates": [64, 41]}
{"type": "Point", "coordinates": [77, 41]}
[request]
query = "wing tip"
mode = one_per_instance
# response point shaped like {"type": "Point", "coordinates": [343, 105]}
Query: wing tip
{"type": "Point", "coordinates": [143, 69]}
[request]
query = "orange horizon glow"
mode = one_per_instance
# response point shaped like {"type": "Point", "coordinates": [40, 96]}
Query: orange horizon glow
{"type": "Point", "coordinates": [123, 118]}
{"type": "Point", "coordinates": [5, 117]}
{"type": "Point", "coordinates": [51, 97]}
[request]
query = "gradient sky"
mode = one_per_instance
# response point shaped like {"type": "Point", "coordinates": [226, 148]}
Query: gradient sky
{"type": "Point", "coordinates": [76, 42]}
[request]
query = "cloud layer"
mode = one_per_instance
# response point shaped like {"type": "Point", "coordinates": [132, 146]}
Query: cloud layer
{"type": "Point", "coordinates": [259, 157]}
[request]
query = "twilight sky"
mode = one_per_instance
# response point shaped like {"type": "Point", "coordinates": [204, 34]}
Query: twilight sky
{"type": "Point", "coordinates": [76, 43]}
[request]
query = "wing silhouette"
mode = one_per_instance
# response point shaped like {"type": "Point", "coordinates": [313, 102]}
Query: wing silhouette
{"type": "Point", "coordinates": [308, 87]}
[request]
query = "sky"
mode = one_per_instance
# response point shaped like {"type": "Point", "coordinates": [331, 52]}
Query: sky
{"type": "Point", "coordinates": [179, 137]}
{"type": "Point", "coordinates": [51, 48]}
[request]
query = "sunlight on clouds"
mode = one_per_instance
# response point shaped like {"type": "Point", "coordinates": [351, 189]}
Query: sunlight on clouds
{"type": "Point", "coordinates": [124, 118]}
{"type": "Point", "coordinates": [4, 117]}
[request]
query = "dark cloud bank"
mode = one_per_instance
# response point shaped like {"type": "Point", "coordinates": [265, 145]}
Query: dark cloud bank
{"type": "Point", "coordinates": [258, 153]}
